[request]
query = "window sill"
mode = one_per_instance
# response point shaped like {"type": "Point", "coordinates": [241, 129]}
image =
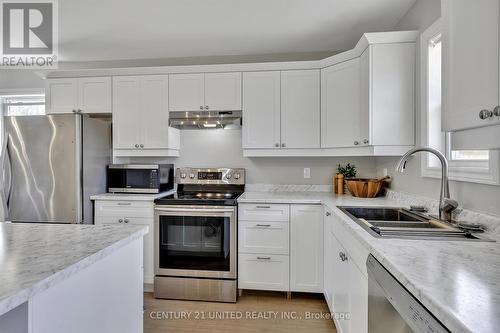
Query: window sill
{"type": "Point", "coordinates": [470, 175]}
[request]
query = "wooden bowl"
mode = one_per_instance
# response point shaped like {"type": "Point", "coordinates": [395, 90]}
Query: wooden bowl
{"type": "Point", "coordinates": [365, 188]}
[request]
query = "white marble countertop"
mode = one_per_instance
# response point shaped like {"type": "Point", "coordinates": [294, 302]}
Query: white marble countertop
{"type": "Point", "coordinates": [458, 281]}
{"type": "Point", "coordinates": [35, 256]}
{"type": "Point", "coordinates": [130, 196]}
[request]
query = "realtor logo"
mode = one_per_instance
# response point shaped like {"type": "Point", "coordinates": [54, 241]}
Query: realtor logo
{"type": "Point", "coordinates": [29, 33]}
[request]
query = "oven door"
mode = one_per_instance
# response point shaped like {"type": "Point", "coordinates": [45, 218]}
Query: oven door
{"type": "Point", "coordinates": [195, 241]}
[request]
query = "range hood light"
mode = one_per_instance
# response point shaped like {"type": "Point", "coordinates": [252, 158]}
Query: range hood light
{"type": "Point", "coordinates": [205, 119]}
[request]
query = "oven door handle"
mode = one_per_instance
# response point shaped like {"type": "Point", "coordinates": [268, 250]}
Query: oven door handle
{"type": "Point", "coordinates": [194, 210]}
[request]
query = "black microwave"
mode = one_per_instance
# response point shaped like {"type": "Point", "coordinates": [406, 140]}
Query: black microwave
{"type": "Point", "coordinates": [140, 178]}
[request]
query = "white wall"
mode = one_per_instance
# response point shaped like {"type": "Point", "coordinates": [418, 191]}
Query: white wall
{"type": "Point", "coordinates": [19, 79]}
{"type": "Point", "coordinates": [222, 148]}
{"type": "Point", "coordinates": [478, 197]}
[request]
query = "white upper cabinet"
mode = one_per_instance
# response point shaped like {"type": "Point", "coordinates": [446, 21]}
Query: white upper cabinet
{"type": "Point", "coordinates": [126, 106]}
{"type": "Point", "coordinates": [82, 95]}
{"type": "Point", "coordinates": [391, 94]}
{"type": "Point", "coordinates": [223, 91]}
{"type": "Point", "coordinates": [155, 112]}
{"type": "Point", "coordinates": [140, 117]}
{"type": "Point", "coordinates": [186, 92]}
{"type": "Point", "coordinates": [94, 94]}
{"type": "Point", "coordinates": [261, 109]}
{"type": "Point", "coordinates": [341, 113]}
{"type": "Point", "coordinates": [470, 63]}
{"type": "Point", "coordinates": [208, 92]}
{"type": "Point", "coordinates": [281, 110]}
{"type": "Point", "coordinates": [306, 248]}
{"type": "Point", "coordinates": [300, 109]}
{"type": "Point", "coordinates": [369, 101]}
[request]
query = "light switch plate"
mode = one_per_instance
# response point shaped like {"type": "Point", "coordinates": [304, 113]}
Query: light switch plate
{"type": "Point", "coordinates": [307, 173]}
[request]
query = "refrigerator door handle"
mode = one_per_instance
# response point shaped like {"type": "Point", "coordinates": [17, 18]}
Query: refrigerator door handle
{"type": "Point", "coordinates": [6, 179]}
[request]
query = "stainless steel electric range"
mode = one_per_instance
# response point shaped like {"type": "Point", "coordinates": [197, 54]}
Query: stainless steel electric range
{"type": "Point", "coordinates": [195, 236]}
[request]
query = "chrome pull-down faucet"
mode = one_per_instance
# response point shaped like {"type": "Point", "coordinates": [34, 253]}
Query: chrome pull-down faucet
{"type": "Point", "coordinates": [446, 204]}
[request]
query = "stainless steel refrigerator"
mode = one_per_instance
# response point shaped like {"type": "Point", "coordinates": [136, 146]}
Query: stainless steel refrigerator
{"type": "Point", "coordinates": [51, 166]}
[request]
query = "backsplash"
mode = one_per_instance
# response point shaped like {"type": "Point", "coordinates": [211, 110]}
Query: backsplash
{"type": "Point", "coordinates": [287, 188]}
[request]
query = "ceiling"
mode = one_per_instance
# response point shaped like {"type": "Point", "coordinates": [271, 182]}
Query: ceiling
{"type": "Point", "coordinates": [103, 30]}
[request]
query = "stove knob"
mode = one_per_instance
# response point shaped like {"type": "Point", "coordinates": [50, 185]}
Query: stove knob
{"type": "Point", "coordinates": [191, 175]}
{"type": "Point", "coordinates": [228, 176]}
{"type": "Point", "coordinates": [236, 176]}
{"type": "Point", "coordinates": [183, 175]}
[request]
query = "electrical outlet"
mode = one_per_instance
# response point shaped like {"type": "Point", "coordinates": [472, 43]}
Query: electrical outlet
{"type": "Point", "coordinates": [307, 173]}
{"type": "Point", "coordinates": [384, 172]}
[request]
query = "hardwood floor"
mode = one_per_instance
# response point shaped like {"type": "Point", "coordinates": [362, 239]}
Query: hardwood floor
{"type": "Point", "coordinates": [255, 312]}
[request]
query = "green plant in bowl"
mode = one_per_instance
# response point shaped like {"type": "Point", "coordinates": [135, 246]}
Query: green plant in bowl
{"type": "Point", "coordinates": [349, 170]}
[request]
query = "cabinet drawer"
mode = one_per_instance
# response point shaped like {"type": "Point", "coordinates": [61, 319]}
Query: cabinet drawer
{"type": "Point", "coordinates": [123, 220]}
{"type": "Point", "coordinates": [124, 208]}
{"type": "Point", "coordinates": [263, 237]}
{"type": "Point", "coordinates": [263, 272]}
{"type": "Point", "coordinates": [263, 212]}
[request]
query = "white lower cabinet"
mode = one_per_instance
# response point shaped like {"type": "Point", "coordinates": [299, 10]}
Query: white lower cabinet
{"type": "Point", "coordinates": [280, 247]}
{"type": "Point", "coordinates": [345, 286]}
{"type": "Point", "coordinates": [306, 248]}
{"type": "Point", "coordinates": [131, 212]}
{"type": "Point", "coordinates": [263, 272]}
{"type": "Point", "coordinates": [263, 237]}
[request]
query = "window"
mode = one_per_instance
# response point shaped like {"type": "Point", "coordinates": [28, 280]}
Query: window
{"type": "Point", "coordinates": [479, 166]}
{"type": "Point", "coordinates": [23, 105]}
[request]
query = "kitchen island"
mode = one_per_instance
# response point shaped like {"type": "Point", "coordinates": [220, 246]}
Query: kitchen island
{"type": "Point", "coordinates": [71, 278]}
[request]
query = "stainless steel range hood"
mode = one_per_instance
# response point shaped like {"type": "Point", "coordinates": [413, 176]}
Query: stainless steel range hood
{"type": "Point", "coordinates": [205, 119]}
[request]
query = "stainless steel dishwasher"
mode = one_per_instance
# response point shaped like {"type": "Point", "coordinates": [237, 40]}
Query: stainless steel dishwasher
{"type": "Point", "coordinates": [391, 308]}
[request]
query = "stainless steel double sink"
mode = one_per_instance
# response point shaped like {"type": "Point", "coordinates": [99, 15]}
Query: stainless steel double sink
{"type": "Point", "coordinates": [395, 222]}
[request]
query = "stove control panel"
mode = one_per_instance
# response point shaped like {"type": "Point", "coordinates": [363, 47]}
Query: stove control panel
{"type": "Point", "coordinates": [234, 176]}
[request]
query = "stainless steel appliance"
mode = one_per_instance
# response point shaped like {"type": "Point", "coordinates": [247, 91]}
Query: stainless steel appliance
{"type": "Point", "coordinates": [195, 236]}
{"type": "Point", "coordinates": [140, 178]}
{"type": "Point", "coordinates": [391, 308]}
{"type": "Point", "coordinates": [52, 165]}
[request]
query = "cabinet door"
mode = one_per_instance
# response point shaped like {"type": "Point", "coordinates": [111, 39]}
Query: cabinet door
{"type": "Point", "coordinates": [340, 286]}
{"type": "Point", "coordinates": [306, 248]}
{"type": "Point", "coordinates": [263, 272]}
{"type": "Point", "coordinates": [222, 91]}
{"type": "Point", "coordinates": [392, 102]}
{"type": "Point", "coordinates": [328, 259]}
{"type": "Point", "coordinates": [153, 113]}
{"type": "Point", "coordinates": [261, 109]}
{"type": "Point", "coordinates": [186, 92]}
{"type": "Point", "coordinates": [470, 62]}
{"type": "Point", "coordinates": [358, 304]}
{"type": "Point", "coordinates": [341, 114]}
{"type": "Point", "coordinates": [61, 96]}
{"type": "Point", "coordinates": [300, 109]}
{"type": "Point", "coordinates": [94, 95]}
{"type": "Point", "coordinates": [127, 131]}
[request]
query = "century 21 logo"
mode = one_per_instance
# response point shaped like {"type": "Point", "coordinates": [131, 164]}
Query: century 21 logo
{"type": "Point", "coordinates": [27, 27]}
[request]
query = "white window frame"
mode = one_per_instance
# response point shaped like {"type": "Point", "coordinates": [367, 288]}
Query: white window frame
{"type": "Point", "coordinates": [482, 172]}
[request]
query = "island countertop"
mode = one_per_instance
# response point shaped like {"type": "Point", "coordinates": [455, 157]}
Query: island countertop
{"type": "Point", "coordinates": [457, 281]}
{"type": "Point", "coordinates": [36, 256]}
